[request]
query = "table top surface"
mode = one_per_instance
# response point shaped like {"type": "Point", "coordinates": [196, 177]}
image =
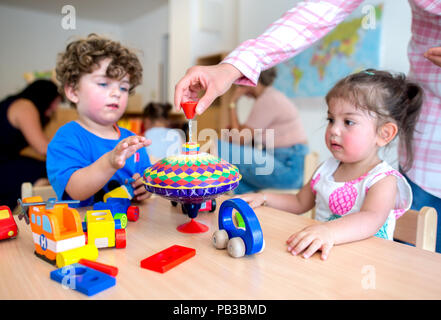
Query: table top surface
{"type": "Point", "coordinates": [370, 269]}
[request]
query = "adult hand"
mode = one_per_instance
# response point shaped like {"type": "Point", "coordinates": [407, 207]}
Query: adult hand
{"type": "Point", "coordinates": [434, 55]}
{"type": "Point", "coordinates": [214, 80]}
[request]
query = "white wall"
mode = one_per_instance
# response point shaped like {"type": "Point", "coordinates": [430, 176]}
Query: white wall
{"type": "Point", "coordinates": [189, 41]}
{"type": "Point", "coordinates": [31, 40]}
{"type": "Point", "coordinates": [146, 34]}
{"type": "Point", "coordinates": [256, 15]}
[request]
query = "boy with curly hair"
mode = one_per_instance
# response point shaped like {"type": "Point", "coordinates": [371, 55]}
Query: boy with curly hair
{"type": "Point", "coordinates": [92, 155]}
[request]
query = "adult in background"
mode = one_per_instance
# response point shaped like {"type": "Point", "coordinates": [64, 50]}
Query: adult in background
{"type": "Point", "coordinates": [278, 148]}
{"type": "Point", "coordinates": [23, 117]}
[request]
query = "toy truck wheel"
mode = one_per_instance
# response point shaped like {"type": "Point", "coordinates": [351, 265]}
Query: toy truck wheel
{"type": "Point", "coordinates": [120, 238]}
{"type": "Point", "coordinates": [220, 239]}
{"type": "Point", "coordinates": [123, 218]}
{"type": "Point", "coordinates": [236, 247]}
{"type": "Point", "coordinates": [133, 213]}
{"type": "Point", "coordinates": [213, 205]}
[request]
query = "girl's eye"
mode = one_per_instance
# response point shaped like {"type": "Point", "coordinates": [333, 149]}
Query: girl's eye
{"type": "Point", "coordinates": [349, 122]}
{"type": "Point", "coordinates": [124, 89]}
{"type": "Point", "coordinates": [330, 120]}
{"type": "Point", "coordinates": [102, 84]}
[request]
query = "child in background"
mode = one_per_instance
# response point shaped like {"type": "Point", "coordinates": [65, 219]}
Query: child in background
{"type": "Point", "coordinates": [356, 194]}
{"type": "Point", "coordinates": [92, 156]}
{"type": "Point", "coordinates": [165, 141]}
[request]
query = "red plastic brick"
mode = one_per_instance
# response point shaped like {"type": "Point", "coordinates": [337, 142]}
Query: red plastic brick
{"type": "Point", "coordinates": [168, 258]}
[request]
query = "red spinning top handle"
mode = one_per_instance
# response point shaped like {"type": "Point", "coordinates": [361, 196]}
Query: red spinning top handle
{"type": "Point", "coordinates": [189, 108]}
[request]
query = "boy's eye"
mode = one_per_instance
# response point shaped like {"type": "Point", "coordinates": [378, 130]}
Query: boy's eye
{"type": "Point", "coordinates": [330, 120]}
{"type": "Point", "coordinates": [124, 89]}
{"type": "Point", "coordinates": [102, 84]}
{"type": "Point", "coordinates": [349, 122]}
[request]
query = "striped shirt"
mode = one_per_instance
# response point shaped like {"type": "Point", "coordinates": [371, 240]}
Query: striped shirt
{"type": "Point", "coordinates": [309, 21]}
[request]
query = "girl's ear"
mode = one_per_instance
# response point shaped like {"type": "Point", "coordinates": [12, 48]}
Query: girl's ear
{"type": "Point", "coordinates": [386, 133]}
{"type": "Point", "coordinates": [71, 93]}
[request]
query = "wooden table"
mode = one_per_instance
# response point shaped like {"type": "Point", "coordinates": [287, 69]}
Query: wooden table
{"type": "Point", "coordinates": [369, 269]}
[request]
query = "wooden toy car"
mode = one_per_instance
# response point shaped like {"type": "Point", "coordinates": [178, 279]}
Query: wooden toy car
{"type": "Point", "coordinates": [241, 240]}
{"type": "Point", "coordinates": [8, 227]}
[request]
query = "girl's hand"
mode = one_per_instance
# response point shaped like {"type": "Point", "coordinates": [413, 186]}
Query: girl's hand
{"type": "Point", "coordinates": [125, 149]}
{"type": "Point", "coordinates": [253, 199]}
{"type": "Point", "coordinates": [311, 239]}
{"type": "Point", "coordinates": [140, 193]}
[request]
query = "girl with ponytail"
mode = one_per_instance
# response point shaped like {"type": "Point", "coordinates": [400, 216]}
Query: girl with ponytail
{"type": "Point", "coordinates": [355, 193]}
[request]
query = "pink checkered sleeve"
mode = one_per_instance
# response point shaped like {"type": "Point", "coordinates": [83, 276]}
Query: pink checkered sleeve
{"type": "Point", "coordinates": [426, 33]}
{"type": "Point", "coordinates": [297, 29]}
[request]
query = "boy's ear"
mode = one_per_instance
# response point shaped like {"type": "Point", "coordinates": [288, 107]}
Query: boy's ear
{"type": "Point", "coordinates": [71, 93]}
{"type": "Point", "coordinates": [387, 133]}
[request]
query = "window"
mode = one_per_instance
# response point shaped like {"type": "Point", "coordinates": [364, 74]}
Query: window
{"type": "Point", "coordinates": [47, 224]}
{"type": "Point", "coordinates": [4, 214]}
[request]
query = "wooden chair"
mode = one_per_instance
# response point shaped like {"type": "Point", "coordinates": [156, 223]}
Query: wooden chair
{"type": "Point", "coordinates": [418, 228]}
{"type": "Point", "coordinates": [311, 164]}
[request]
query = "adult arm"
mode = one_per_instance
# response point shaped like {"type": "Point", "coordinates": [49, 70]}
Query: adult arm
{"type": "Point", "coordinates": [24, 116]}
{"type": "Point", "coordinates": [297, 29]}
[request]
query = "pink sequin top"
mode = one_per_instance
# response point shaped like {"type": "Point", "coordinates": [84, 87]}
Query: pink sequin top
{"type": "Point", "coordinates": [336, 199]}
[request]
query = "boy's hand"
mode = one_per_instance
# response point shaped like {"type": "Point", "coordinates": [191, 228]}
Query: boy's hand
{"type": "Point", "coordinates": [311, 239]}
{"type": "Point", "coordinates": [125, 149]}
{"type": "Point", "coordinates": [140, 193]}
{"type": "Point", "coordinates": [253, 199]}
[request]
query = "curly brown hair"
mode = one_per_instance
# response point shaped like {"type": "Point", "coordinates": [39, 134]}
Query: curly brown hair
{"type": "Point", "coordinates": [84, 55]}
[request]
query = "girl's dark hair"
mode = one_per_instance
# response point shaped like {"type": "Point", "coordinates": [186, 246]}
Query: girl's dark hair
{"type": "Point", "coordinates": [267, 77]}
{"type": "Point", "coordinates": [390, 97]}
{"type": "Point", "coordinates": [156, 111]}
{"type": "Point", "coordinates": [41, 93]}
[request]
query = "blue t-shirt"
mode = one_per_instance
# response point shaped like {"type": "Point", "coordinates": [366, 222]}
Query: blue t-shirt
{"type": "Point", "coordinates": [73, 147]}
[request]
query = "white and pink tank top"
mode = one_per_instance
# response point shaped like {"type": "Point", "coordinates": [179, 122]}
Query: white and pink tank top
{"type": "Point", "coordinates": [335, 199]}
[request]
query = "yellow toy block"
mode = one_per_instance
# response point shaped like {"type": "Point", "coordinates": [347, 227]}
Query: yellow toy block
{"type": "Point", "coordinates": [120, 192]}
{"type": "Point", "coordinates": [100, 228]}
{"type": "Point", "coordinates": [89, 251]}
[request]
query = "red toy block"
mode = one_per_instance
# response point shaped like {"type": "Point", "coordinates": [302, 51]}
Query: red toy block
{"type": "Point", "coordinates": [168, 258]}
{"type": "Point", "coordinates": [110, 270]}
{"type": "Point", "coordinates": [133, 213]}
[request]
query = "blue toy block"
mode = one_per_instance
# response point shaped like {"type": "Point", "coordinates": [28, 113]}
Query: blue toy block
{"type": "Point", "coordinates": [83, 279]}
{"type": "Point", "coordinates": [252, 235]}
{"type": "Point", "coordinates": [119, 205]}
{"type": "Point", "coordinates": [102, 206]}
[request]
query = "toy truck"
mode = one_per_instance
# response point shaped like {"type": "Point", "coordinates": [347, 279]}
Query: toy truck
{"type": "Point", "coordinates": [8, 227]}
{"type": "Point", "coordinates": [56, 228]}
{"type": "Point", "coordinates": [101, 230]}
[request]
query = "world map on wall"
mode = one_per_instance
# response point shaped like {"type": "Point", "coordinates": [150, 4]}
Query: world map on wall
{"type": "Point", "coordinates": [354, 45]}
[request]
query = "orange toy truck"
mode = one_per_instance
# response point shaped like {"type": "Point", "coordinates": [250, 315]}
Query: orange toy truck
{"type": "Point", "coordinates": [55, 227]}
